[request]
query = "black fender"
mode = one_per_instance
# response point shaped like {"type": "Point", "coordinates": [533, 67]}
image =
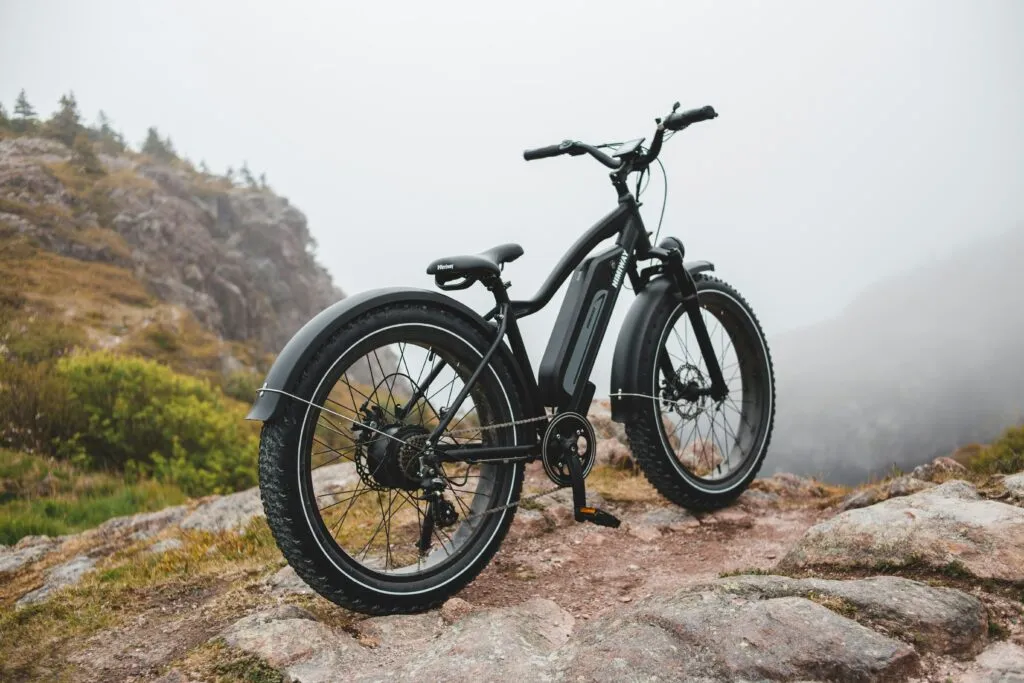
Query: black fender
{"type": "Point", "coordinates": [288, 366]}
{"type": "Point", "coordinates": [638, 322]}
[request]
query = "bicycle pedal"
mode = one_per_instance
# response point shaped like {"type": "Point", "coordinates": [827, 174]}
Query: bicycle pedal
{"type": "Point", "coordinates": [597, 516]}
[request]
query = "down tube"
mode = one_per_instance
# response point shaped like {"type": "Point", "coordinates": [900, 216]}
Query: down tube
{"type": "Point", "coordinates": [581, 324]}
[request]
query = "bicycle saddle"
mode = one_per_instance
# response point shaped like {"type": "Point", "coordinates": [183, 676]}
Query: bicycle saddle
{"type": "Point", "coordinates": [485, 264]}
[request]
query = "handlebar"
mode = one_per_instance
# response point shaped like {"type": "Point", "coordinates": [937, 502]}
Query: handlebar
{"type": "Point", "coordinates": [674, 122]}
{"type": "Point", "coordinates": [572, 148]}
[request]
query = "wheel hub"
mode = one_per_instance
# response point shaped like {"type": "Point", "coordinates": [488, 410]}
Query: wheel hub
{"type": "Point", "coordinates": [392, 463]}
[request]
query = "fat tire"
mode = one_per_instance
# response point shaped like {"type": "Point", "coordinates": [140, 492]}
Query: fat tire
{"type": "Point", "coordinates": [642, 428]}
{"type": "Point", "coordinates": [279, 487]}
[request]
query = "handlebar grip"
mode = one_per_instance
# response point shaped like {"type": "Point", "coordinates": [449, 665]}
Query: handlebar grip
{"type": "Point", "coordinates": [685, 118]}
{"type": "Point", "coordinates": [544, 152]}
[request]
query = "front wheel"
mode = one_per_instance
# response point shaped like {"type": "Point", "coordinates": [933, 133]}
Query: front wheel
{"type": "Point", "coordinates": [702, 454]}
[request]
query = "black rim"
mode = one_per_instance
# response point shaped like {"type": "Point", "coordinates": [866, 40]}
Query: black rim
{"type": "Point", "coordinates": [713, 443]}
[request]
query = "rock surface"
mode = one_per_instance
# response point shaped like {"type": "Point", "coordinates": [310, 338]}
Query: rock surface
{"type": "Point", "coordinates": [224, 513]}
{"type": "Point", "coordinates": [941, 620]}
{"type": "Point", "coordinates": [1000, 663]}
{"type": "Point", "coordinates": [712, 636]}
{"type": "Point", "coordinates": [900, 486]}
{"type": "Point", "coordinates": [291, 639]}
{"type": "Point", "coordinates": [1015, 485]}
{"type": "Point", "coordinates": [946, 527]}
{"type": "Point", "coordinates": [60, 576]}
{"type": "Point", "coordinates": [24, 552]}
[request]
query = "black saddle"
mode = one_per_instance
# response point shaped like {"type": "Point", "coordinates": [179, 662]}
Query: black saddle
{"type": "Point", "coordinates": [483, 266]}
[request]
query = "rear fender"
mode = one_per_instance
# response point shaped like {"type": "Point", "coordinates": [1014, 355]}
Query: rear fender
{"type": "Point", "coordinates": [284, 374]}
{"type": "Point", "coordinates": [639, 322]}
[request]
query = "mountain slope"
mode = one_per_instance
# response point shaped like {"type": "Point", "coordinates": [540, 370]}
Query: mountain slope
{"type": "Point", "coordinates": [239, 260]}
{"type": "Point", "coordinates": [918, 365]}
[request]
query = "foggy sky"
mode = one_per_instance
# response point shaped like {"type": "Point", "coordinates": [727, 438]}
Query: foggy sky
{"type": "Point", "coordinates": [854, 140]}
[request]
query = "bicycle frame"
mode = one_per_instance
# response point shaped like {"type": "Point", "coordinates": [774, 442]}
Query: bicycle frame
{"type": "Point", "coordinates": [584, 332]}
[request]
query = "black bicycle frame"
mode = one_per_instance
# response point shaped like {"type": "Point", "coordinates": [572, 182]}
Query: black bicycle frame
{"type": "Point", "coordinates": [581, 324]}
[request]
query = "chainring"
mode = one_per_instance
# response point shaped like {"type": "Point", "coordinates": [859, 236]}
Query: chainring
{"type": "Point", "coordinates": [568, 435]}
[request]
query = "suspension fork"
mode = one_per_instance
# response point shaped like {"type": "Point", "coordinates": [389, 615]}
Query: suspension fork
{"type": "Point", "coordinates": [686, 291]}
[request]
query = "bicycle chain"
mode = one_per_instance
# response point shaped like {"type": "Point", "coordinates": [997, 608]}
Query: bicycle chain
{"type": "Point", "coordinates": [502, 425]}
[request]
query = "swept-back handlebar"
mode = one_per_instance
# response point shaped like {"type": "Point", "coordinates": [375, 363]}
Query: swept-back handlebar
{"type": "Point", "coordinates": [675, 121]}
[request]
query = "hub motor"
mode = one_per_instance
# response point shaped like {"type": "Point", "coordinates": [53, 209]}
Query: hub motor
{"type": "Point", "coordinates": [393, 464]}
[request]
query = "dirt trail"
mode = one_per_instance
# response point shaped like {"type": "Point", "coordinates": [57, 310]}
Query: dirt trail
{"type": "Point", "coordinates": [588, 569]}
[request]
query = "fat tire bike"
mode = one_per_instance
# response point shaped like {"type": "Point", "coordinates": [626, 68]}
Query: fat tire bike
{"type": "Point", "coordinates": [397, 422]}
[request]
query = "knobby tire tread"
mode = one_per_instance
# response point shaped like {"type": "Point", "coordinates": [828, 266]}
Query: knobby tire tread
{"type": "Point", "coordinates": [645, 442]}
{"type": "Point", "coordinates": [278, 490]}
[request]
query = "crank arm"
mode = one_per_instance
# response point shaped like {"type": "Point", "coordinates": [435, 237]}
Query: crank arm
{"type": "Point", "coordinates": [580, 511]}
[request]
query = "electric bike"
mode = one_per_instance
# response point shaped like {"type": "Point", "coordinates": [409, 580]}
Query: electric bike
{"type": "Point", "coordinates": [398, 421]}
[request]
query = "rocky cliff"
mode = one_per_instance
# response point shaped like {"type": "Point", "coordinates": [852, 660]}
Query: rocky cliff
{"type": "Point", "coordinates": [239, 259]}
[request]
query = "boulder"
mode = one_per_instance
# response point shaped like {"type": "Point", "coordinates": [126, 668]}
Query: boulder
{"type": "Point", "coordinates": [946, 528]}
{"type": "Point", "coordinates": [939, 467]}
{"type": "Point", "coordinates": [289, 638]}
{"type": "Point", "coordinates": [941, 620]}
{"type": "Point", "coordinates": [711, 635]}
{"type": "Point", "coordinates": [900, 486]}
{"type": "Point", "coordinates": [1014, 484]}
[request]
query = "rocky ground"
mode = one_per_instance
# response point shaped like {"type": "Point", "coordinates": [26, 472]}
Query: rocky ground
{"type": "Point", "coordinates": [919, 578]}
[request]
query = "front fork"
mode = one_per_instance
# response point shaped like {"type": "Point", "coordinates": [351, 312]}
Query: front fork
{"type": "Point", "coordinates": [686, 292]}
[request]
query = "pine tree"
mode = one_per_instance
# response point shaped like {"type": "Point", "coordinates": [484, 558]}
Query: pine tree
{"type": "Point", "coordinates": [203, 168]}
{"type": "Point", "coordinates": [157, 147]}
{"type": "Point", "coordinates": [110, 141]}
{"type": "Point", "coordinates": [263, 182]}
{"type": "Point", "coordinates": [229, 175]}
{"type": "Point", "coordinates": [83, 156]}
{"type": "Point", "coordinates": [247, 177]}
{"type": "Point", "coordinates": [66, 122]}
{"type": "Point", "coordinates": [25, 113]}
{"type": "Point", "coordinates": [4, 120]}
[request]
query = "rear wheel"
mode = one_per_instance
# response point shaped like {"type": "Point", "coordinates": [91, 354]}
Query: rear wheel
{"type": "Point", "coordinates": [702, 454]}
{"type": "Point", "coordinates": [341, 479]}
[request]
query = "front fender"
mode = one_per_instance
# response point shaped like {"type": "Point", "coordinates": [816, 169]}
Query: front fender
{"type": "Point", "coordinates": [638, 323]}
{"type": "Point", "coordinates": [288, 366]}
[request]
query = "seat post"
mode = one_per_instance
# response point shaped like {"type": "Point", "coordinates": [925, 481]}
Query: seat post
{"type": "Point", "coordinates": [499, 289]}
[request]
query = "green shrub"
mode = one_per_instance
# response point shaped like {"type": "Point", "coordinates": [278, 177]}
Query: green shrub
{"type": "Point", "coordinates": [242, 385]}
{"type": "Point", "coordinates": [34, 407]}
{"type": "Point", "coordinates": [1003, 456]}
{"type": "Point", "coordinates": [139, 416]}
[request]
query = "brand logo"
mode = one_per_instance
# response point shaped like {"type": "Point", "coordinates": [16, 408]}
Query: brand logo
{"type": "Point", "coordinates": [446, 266]}
{"type": "Point", "coordinates": [620, 270]}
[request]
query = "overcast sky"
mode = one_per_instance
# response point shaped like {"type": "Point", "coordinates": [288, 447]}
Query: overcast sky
{"type": "Point", "coordinates": [855, 139]}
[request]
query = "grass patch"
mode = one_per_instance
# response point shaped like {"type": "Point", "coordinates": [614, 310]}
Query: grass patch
{"type": "Point", "coordinates": [621, 486]}
{"type": "Point", "coordinates": [39, 495]}
{"type": "Point", "coordinates": [839, 605]}
{"type": "Point", "coordinates": [35, 641]}
{"type": "Point", "coordinates": [1005, 455]}
{"type": "Point", "coordinates": [744, 572]}
{"type": "Point", "coordinates": [216, 661]}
